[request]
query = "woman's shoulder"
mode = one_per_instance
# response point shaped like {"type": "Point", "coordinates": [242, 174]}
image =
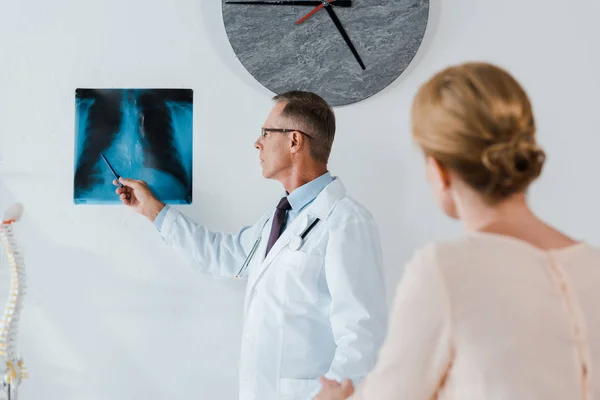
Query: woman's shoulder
{"type": "Point", "coordinates": [484, 245]}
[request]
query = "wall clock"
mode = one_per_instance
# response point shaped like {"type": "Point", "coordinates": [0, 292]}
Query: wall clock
{"type": "Point", "coordinates": [344, 50]}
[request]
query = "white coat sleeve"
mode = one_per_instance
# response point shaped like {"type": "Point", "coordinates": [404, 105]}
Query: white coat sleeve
{"type": "Point", "coordinates": [358, 316]}
{"type": "Point", "coordinates": [219, 254]}
{"type": "Point", "coordinates": [417, 352]}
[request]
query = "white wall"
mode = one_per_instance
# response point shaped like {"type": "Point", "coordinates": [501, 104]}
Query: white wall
{"type": "Point", "coordinates": [112, 313]}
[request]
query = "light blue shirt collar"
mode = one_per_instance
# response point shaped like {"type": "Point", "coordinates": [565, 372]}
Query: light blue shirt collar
{"type": "Point", "coordinates": [299, 199]}
{"type": "Point", "coordinates": [306, 193]}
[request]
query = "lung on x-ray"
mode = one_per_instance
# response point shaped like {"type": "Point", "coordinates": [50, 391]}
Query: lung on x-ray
{"type": "Point", "coordinates": [144, 134]}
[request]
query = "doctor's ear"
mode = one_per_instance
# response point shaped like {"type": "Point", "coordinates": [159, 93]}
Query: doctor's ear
{"type": "Point", "coordinates": [296, 140]}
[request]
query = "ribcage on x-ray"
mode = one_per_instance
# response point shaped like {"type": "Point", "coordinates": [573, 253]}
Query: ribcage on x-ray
{"type": "Point", "coordinates": [141, 129]}
{"type": "Point", "coordinates": [158, 136]}
{"type": "Point", "coordinates": [103, 123]}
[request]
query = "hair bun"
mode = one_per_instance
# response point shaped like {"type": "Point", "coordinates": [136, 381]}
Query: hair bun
{"type": "Point", "coordinates": [513, 164]}
{"type": "Point", "coordinates": [476, 120]}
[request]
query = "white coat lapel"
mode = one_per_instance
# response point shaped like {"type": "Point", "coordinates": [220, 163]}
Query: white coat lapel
{"type": "Point", "coordinates": [320, 208]}
{"type": "Point", "coordinates": [296, 228]}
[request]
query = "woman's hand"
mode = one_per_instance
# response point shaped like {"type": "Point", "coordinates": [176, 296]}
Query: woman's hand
{"type": "Point", "coordinates": [333, 390]}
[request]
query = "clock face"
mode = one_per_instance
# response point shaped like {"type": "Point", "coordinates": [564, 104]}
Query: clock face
{"type": "Point", "coordinates": [314, 55]}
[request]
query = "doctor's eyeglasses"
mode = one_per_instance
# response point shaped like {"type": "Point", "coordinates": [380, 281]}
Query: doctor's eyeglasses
{"type": "Point", "coordinates": [265, 131]}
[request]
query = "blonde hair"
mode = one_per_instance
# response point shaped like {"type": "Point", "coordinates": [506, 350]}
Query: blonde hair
{"type": "Point", "coordinates": [476, 120]}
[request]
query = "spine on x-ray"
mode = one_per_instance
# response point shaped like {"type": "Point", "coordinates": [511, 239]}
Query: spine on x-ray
{"type": "Point", "coordinates": [10, 320]}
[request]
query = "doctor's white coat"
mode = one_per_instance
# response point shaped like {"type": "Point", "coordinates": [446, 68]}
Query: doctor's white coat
{"type": "Point", "coordinates": [319, 310]}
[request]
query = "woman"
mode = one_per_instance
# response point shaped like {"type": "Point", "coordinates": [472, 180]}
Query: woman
{"type": "Point", "coordinates": [510, 310]}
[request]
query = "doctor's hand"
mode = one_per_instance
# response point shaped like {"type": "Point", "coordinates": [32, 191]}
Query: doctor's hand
{"type": "Point", "coordinates": [333, 390]}
{"type": "Point", "coordinates": [138, 196]}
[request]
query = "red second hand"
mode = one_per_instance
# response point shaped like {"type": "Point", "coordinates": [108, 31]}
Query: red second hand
{"type": "Point", "coordinates": [310, 14]}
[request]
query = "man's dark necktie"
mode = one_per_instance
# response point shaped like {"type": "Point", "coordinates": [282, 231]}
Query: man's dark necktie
{"type": "Point", "coordinates": [278, 222]}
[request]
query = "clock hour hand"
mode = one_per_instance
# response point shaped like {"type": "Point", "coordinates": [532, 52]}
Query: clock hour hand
{"type": "Point", "coordinates": [339, 3]}
{"type": "Point", "coordinates": [338, 25]}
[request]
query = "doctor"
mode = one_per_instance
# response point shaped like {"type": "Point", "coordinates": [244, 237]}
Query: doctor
{"type": "Point", "coordinates": [315, 303]}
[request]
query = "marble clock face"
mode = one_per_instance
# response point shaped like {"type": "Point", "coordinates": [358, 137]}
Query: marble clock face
{"type": "Point", "coordinates": [313, 55]}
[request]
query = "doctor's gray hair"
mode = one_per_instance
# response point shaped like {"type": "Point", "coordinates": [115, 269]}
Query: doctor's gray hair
{"type": "Point", "coordinates": [313, 116]}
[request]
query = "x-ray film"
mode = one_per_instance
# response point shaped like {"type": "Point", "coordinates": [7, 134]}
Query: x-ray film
{"type": "Point", "coordinates": [144, 134]}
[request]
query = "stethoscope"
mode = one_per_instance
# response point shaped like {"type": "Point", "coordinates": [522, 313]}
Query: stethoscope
{"type": "Point", "coordinates": [294, 244]}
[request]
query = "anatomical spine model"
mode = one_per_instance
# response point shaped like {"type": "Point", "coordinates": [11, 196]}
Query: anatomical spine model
{"type": "Point", "coordinates": [14, 370]}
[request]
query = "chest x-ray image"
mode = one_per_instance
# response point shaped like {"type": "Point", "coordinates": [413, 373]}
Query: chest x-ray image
{"type": "Point", "coordinates": [143, 134]}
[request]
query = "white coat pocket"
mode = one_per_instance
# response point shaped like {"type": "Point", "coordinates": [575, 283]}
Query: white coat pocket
{"type": "Point", "coordinates": [298, 389]}
{"type": "Point", "coordinates": [301, 277]}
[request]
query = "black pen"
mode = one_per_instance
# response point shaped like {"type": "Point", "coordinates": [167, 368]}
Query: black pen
{"type": "Point", "coordinates": [112, 170]}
